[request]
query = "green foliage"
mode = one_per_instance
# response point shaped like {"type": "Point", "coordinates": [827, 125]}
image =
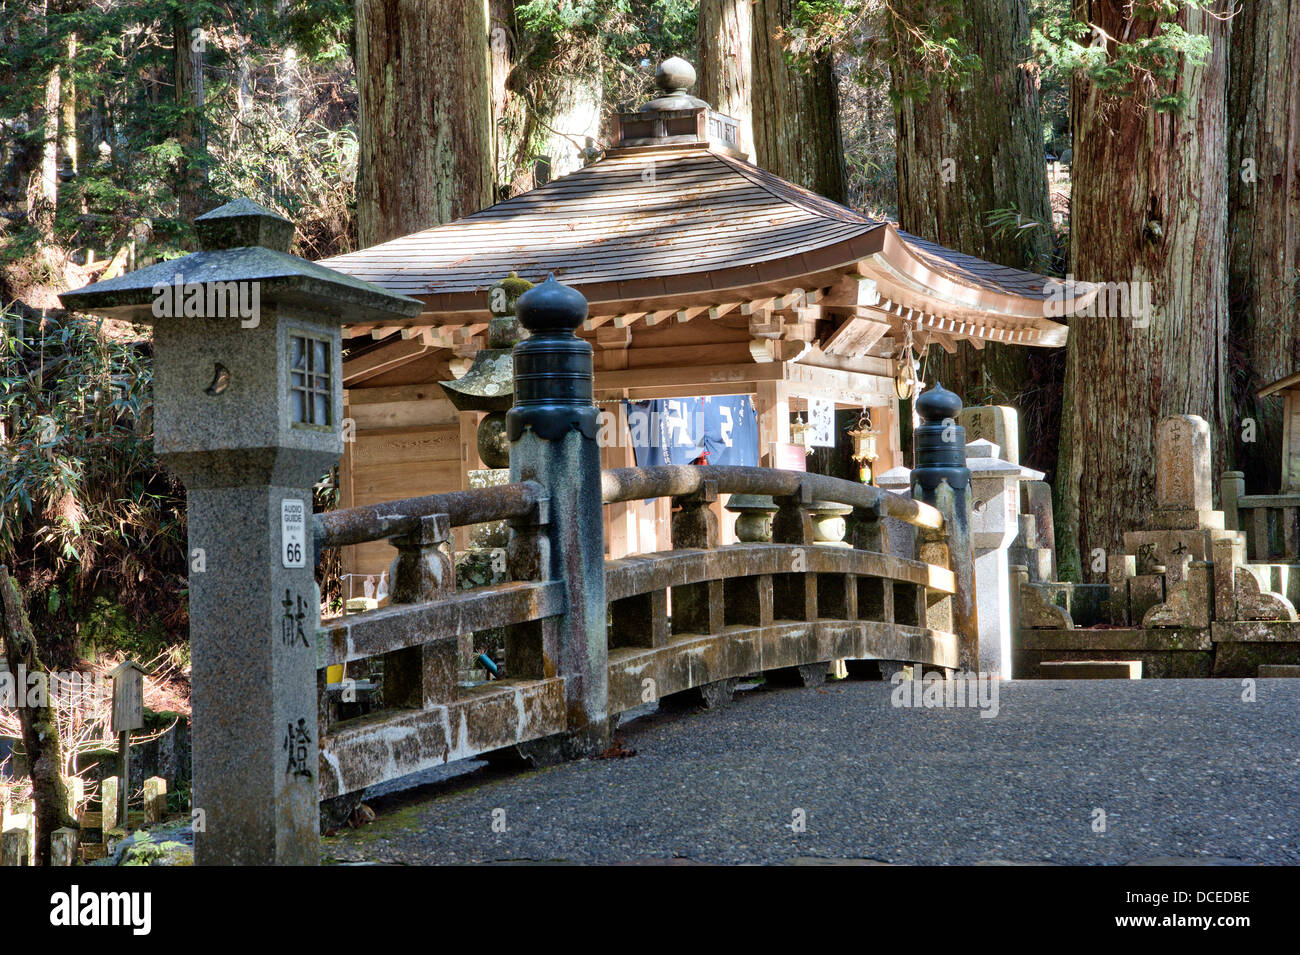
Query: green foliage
{"type": "Point", "coordinates": [916, 46]}
{"type": "Point", "coordinates": [84, 508]}
{"type": "Point", "coordinates": [1142, 68]}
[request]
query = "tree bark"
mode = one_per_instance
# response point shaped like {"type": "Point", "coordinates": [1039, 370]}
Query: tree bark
{"type": "Point", "coordinates": [187, 73]}
{"type": "Point", "coordinates": [425, 144]}
{"type": "Point", "coordinates": [68, 108]}
{"type": "Point", "coordinates": [725, 63]}
{"type": "Point", "coordinates": [1264, 236]}
{"type": "Point", "coordinates": [1148, 206]}
{"type": "Point", "coordinates": [43, 193]}
{"type": "Point", "coordinates": [965, 151]}
{"type": "Point", "coordinates": [796, 113]}
{"type": "Point", "coordinates": [40, 728]}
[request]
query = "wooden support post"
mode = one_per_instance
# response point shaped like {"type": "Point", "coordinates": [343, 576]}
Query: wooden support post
{"type": "Point", "coordinates": [124, 775]}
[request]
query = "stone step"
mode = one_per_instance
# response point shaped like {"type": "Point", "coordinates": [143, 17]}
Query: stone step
{"type": "Point", "coordinates": [1091, 669]}
{"type": "Point", "coordinates": [1279, 670]}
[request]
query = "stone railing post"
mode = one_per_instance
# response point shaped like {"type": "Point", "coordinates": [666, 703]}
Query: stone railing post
{"type": "Point", "coordinates": [1232, 488]}
{"type": "Point", "coordinates": [248, 398]}
{"type": "Point", "coordinates": [942, 480]}
{"type": "Point", "coordinates": [424, 675]}
{"type": "Point", "coordinates": [552, 429]}
{"type": "Point", "coordinates": [697, 608]}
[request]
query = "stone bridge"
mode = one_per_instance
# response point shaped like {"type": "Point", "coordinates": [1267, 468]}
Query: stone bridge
{"type": "Point", "coordinates": [588, 639]}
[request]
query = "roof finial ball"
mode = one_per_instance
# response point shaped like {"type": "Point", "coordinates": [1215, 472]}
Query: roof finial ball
{"type": "Point", "coordinates": [675, 75]}
{"type": "Point", "coordinates": [674, 78]}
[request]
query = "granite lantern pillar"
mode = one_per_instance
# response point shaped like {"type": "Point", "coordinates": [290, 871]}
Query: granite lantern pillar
{"type": "Point", "coordinates": [247, 406]}
{"type": "Point", "coordinates": [942, 480]}
{"type": "Point", "coordinates": [552, 429]}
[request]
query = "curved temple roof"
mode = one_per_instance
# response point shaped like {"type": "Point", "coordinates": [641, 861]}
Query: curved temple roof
{"type": "Point", "coordinates": [682, 225]}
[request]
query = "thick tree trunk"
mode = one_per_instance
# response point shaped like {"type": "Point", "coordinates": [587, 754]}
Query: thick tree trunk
{"type": "Point", "coordinates": [796, 113]}
{"type": "Point", "coordinates": [46, 196]}
{"type": "Point", "coordinates": [1264, 235]}
{"type": "Point", "coordinates": [725, 63]}
{"type": "Point", "coordinates": [966, 151]}
{"type": "Point", "coordinates": [187, 71]}
{"type": "Point", "coordinates": [1148, 207]}
{"type": "Point", "coordinates": [425, 142]}
{"type": "Point", "coordinates": [40, 729]}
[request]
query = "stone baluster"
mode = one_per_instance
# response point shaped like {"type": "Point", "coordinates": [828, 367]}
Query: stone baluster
{"type": "Point", "coordinates": [697, 608]}
{"type": "Point", "coordinates": [532, 649]}
{"type": "Point", "coordinates": [424, 675]}
{"type": "Point", "coordinates": [794, 592]}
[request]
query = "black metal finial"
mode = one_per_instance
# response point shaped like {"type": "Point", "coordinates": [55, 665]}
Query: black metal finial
{"type": "Point", "coordinates": [551, 307]}
{"type": "Point", "coordinates": [553, 368]}
{"type": "Point", "coordinates": [937, 404]}
{"type": "Point", "coordinates": [940, 442]}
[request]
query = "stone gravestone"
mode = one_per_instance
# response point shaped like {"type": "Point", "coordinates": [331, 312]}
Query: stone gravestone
{"type": "Point", "coordinates": [996, 424]}
{"type": "Point", "coordinates": [1183, 525]}
{"type": "Point", "coordinates": [1183, 467]}
{"type": "Point", "coordinates": [1036, 545]}
{"type": "Point", "coordinates": [248, 401]}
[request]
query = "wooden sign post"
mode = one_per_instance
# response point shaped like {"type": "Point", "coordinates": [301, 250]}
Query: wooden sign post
{"type": "Point", "coordinates": [128, 714]}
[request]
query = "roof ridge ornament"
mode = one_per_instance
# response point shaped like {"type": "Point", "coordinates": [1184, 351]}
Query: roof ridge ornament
{"type": "Point", "coordinates": [674, 77]}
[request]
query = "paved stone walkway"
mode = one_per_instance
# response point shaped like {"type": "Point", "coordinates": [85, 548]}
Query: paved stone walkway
{"type": "Point", "coordinates": [1182, 769]}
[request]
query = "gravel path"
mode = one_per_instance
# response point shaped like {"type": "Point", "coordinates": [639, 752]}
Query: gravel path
{"type": "Point", "coordinates": [1181, 769]}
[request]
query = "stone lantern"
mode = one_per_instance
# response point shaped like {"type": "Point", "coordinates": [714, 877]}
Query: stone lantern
{"type": "Point", "coordinates": [995, 524]}
{"type": "Point", "coordinates": [489, 384]}
{"type": "Point", "coordinates": [248, 399]}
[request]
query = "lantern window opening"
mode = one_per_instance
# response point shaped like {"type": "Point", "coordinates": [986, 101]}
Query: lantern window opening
{"type": "Point", "coordinates": [311, 382]}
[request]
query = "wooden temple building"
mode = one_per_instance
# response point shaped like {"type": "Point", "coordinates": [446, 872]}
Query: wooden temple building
{"type": "Point", "coordinates": [705, 275]}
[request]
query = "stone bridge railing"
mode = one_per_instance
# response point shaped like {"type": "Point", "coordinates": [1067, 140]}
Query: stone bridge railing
{"type": "Point", "coordinates": [682, 625]}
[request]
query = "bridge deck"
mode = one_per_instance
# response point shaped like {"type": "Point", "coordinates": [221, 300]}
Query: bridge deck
{"type": "Point", "coordinates": [1182, 768]}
